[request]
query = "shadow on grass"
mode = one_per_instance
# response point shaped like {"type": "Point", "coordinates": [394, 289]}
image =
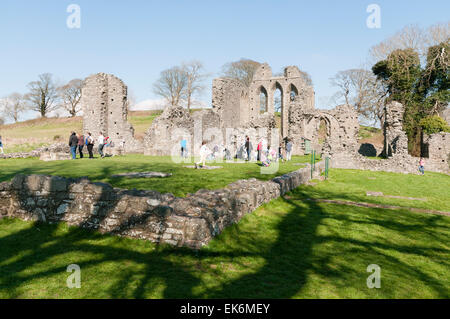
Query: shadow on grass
{"type": "Point", "coordinates": [288, 263]}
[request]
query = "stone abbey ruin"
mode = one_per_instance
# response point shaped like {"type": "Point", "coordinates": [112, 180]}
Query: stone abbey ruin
{"type": "Point", "coordinates": [239, 111]}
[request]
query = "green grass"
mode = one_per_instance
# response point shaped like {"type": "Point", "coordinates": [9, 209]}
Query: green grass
{"type": "Point", "coordinates": [183, 181]}
{"type": "Point", "coordinates": [352, 185]}
{"type": "Point", "coordinates": [289, 248]}
{"type": "Point", "coordinates": [25, 147]}
{"type": "Point", "coordinates": [142, 121]}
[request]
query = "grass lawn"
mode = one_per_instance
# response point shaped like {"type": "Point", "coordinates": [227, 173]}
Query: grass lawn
{"type": "Point", "coordinates": [183, 181]}
{"type": "Point", "coordinates": [289, 248]}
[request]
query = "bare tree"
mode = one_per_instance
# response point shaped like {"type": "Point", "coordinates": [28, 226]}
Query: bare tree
{"type": "Point", "coordinates": [413, 37]}
{"type": "Point", "coordinates": [194, 80]}
{"type": "Point", "coordinates": [43, 95]}
{"type": "Point", "coordinates": [242, 70]}
{"type": "Point", "coordinates": [343, 81]}
{"type": "Point", "coordinates": [131, 100]}
{"type": "Point", "coordinates": [70, 96]}
{"type": "Point", "coordinates": [438, 33]}
{"type": "Point", "coordinates": [13, 105]}
{"type": "Point", "coordinates": [363, 90]}
{"type": "Point", "coordinates": [171, 85]}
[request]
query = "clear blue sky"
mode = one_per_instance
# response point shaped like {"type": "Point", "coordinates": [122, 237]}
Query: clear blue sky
{"type": "Point", "coordinates": [135, 40]}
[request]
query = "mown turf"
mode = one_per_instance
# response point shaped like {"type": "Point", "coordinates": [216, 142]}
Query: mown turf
{"type": "Point", "coordinates": [183, 181]}
{"type": "Point", "coordinates": [289, 248]}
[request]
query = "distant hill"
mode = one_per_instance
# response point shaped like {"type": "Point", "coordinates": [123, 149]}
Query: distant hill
{"type": "Point", "coordinates": [29, 135]}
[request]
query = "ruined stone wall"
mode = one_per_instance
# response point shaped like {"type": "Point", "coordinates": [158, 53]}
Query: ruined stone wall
{"type": "Point", "coordinates": [174, 124]}
{"type": "Point", "coordinates": [397, 163]}
{"type": "Point", "coordinates": [230, 100]}
{"type": "Point", "coordinates": [291, 81]}
{"type": "Point", "coordinates": [439, 148]}
{"type": "Point", "coordinates": [161, 218]}
{"type": "Point", "coordinates": [57, 148]}
{"type": "Point", "coordinates": [341, 125]}
{"type": "Point", "coordinates": [105, 108]}
{"type": "Point", "coordinates": [395, 139]}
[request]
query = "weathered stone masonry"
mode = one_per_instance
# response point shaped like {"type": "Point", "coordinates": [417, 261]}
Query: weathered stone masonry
{"type": "Point", "coordinates": [105, 109]}
{"type": "Point", "coordinates": [161, 218]}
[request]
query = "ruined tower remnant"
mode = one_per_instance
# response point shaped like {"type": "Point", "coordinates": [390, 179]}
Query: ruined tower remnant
{"type": "Point", "coordinates": [395, 139]}
{"type": "Point", "coordinates": [105, 108]}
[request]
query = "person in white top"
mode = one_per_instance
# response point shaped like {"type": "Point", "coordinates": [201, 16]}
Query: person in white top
{"type": "Point", "coordinates": [101, 144]}
{"type": "Point", "coordinates": [204, 151]}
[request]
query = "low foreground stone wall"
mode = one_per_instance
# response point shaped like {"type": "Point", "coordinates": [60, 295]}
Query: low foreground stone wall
{"type": "Point", "coordinates": [191, 221]}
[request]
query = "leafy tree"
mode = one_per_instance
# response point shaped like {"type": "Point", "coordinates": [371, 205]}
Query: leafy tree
{"type": "Point", "coordinates": [434, 124]}
{"type": "Point", "coordinates": [423, 91]}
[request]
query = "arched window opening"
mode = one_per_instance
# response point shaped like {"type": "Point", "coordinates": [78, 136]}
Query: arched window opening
{"type": "Point", "coordinates": [278, 105]}
{"type": "Point", "coordinates": [263, 101]}
{"type": "Point", "coordinates": [323, 131]}
{"type": "Point", "coordinates": [293, 92]}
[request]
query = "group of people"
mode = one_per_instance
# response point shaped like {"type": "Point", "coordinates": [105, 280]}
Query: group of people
{"type": "Point", "coordinates": [78, 141]}
{"type": "Point", "coordinates": [264, 153]}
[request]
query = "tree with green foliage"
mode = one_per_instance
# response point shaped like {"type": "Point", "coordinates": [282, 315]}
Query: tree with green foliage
{"type": "Point", "coordinates": [434, 124]}
{"type": "Point", "coordinates": [424, 91]}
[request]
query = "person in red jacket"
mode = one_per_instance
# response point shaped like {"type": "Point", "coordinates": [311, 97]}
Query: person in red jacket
{"type": "Point", "coordinates": [259, 148]}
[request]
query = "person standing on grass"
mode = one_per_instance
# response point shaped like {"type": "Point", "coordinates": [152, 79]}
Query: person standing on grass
{"type": "Point", "coordinates": [80, 144]}
{"type": "Point", "coordinates": [258, 149]}
{"type": "Point", "coordinates": [204, 151]}
{"type": "Point", "coordinates": [422, 166]}
{"type": "Point", "coordinates": [280, 152]}
{"type": "Point", "coordinates": [288, 150]}
{"type": "Point", "coordinates": [101, 144]}
{"type": "Point", "coordinates": [183, 144]}
{"type": "Point", "coordinates": [1, 146]}
{"type": "Point", "coordinates": [249, 148]}
{"type": "Point", "coordinates": [73, 143]}
{"type": "Point", "coordinates": [90, 145]}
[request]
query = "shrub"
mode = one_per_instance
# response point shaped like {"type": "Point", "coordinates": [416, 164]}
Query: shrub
{"type": "Point", "coordinates": [434, 124]}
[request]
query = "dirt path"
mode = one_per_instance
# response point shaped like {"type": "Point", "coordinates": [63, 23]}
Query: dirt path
{"type": "Point", "coordinates": [371, 205]}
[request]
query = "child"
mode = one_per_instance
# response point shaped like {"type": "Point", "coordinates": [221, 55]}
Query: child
{"type": "Point", "coordinates": [204, 152]}
{"type": "Point", "coordinates": [421, 166]}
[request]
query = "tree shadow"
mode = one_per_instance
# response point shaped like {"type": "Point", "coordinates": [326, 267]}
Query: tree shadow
{"type": "Point", "coordinates": [288, 262]}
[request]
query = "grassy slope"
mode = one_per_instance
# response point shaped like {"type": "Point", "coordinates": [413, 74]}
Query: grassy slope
{"type": "Point", "coordinates": [370, 135]}
{"type": "Point", "coordinates": [183, 181]}
{"type": "Point", "coordinates": [285, 249]}
{"type": "Point", "coordinates": [28, 135]}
